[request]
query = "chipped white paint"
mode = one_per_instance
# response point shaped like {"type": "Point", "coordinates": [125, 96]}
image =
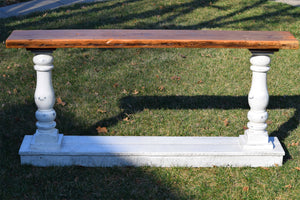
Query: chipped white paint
{"type": "Point", "coordinates": [46, 136]}
{"type": "Point", "coordinates": [256, 136]}
{"type": "Point", "coordinates": [48, 148]}
{"type": "Point", "coordinates": [155, 151]}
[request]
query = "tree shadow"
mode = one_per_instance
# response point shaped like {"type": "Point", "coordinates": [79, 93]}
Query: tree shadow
{"type": "Point", "coordinates": [18, 120]}
{"type": "Point", "coordinates": [53, 182]}
{"type": "Point", "coordinates": [134, 104]}
{"type": "Point", "coordinates": [173, 12]}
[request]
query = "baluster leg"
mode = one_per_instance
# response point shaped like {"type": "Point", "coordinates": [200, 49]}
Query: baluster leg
{"type": "Point", "coordinates": [256, 136]}
{"type": "Point", "coordinates": [46, 136]}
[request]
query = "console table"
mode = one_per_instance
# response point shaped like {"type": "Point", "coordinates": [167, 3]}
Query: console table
{"type": "Point", "coordinates": [47, 147]}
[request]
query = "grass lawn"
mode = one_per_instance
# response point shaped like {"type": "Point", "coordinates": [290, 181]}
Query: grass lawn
{"type": "Point", "coordinates": [170, 92]}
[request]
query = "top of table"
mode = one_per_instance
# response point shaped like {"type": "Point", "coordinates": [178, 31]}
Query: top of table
{"type": "Point", "coordinates": [129, 38]}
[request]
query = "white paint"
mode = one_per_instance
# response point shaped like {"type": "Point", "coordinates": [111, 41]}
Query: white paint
{"type": "Point", "coordinates": [48, 148]}
{"type": "Point", "coordinates": [46, 137]}
{"type": "Point", "coordinates": [256, 136]}
{"type": "Point", "coordinates": [155, 151]}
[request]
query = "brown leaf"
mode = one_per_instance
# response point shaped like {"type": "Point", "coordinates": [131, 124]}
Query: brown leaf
{"type": "Point", "coordinates": [297, 168]}
{"type": "Point", "coordinates": [102, 111]}
{"type": "Point", "coordinates": [226, 122]}
{"type": "Point", "coordinates": [200, 81]}
{"type": "Point", "coordinates": [245, 127]}
{"type": "Point", "coordinates": [288, 186]}
{"type": "Point", "coordinates": [246, 189]}
{"type": "Point", "coordinates": [60, 102]}
{"type": "Point", "coordinates": [126, 119]}
{"type": "Point", "coordinates": [135, 92]}
{"type": "Point", "coordinates": [177, 78]}
{"type": "Point", "coordinates": [161, 88]}
{"type": "Point", "coordinates": [269, 122]}
{"type": "Point", "coordinates": [295, 143]}
{"type": "Point", "coordinates": [101, 129]}
{"type": "Point", "coordinates": [124, 92]}
{"type": "Point", "coordinates": [115, 85]}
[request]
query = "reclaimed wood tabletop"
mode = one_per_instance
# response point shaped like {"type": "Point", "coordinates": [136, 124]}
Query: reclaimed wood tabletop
{"type": "Point", "coordinates": [130, 38]}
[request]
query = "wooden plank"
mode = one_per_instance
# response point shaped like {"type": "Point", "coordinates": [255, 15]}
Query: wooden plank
{"type": "Point", "coordinates": [129, 38]}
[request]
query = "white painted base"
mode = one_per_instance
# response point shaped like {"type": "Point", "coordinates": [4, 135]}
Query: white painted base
{"type": "Point", "coordinates": [107, 151]}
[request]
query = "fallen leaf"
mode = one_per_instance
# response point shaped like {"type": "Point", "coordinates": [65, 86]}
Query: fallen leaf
{"type": "Point", "coordinates": [288, 186]}
{"type": "Point", "coordinates": [156, 76]}
{"type": "Point", "coordinates": [115, 85]}
{"type": "Point", "coordinates": [60, 102]}
{"type": "Point", "coordinates": [15, 91]}
{"type": "Point", "coordinates": [199, 82]}
{"type": "Point", "coordinates": [246, 189]}
{"type": "Point", "coordinates": [124, 92]}
{"type": "Point", "coordinates": [135, 92]}
{"type": "Point", "coordinates": [269, 122]}
{"type": "Point", "coordinates": [126, 119]}
{"type": "Point", "coordinates": [101, 129]}
{"type": "Point", "coordinates": [102, 111]}
{"type": "Point", "coordinates": [245, 128]}
{"type": "Point", "coordinates": [177, 78]}
{"type": "Point", "coordinates": [226, 122]}
{"type": "Point", "coordinates": [161, 88]}
{"type": "Point", "coordinates": [297, 168]}
{"type": "Point", "coordinates": [295, 143]}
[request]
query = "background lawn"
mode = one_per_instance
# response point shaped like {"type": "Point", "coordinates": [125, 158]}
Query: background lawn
{"type": "Point", "coordinates": [170, 92]}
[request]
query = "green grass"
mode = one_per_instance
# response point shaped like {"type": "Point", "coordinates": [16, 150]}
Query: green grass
{"type": "Point", "coordinates": [213, 86]}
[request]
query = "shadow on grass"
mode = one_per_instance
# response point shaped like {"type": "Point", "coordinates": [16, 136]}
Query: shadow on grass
{"type": "Point", "coordinates": [173, 12]}
{"type": "Point", "coordinates": [132, 105]}
{"type": "Point", "coordinates": [17, 121]}
{"type": "Point", "coordinates": [116, 183]}
{"type": "Point", "coordinates": [29, 182]}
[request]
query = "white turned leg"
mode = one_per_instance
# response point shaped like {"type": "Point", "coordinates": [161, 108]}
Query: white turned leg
{"type": "Point", "coordinates": [256, 136]}
{"type": "Point", "coordinates": [46, 136]}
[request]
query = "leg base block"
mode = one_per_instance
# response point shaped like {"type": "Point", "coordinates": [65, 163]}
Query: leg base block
{"type": "Point", "coordinates": [45, 147]}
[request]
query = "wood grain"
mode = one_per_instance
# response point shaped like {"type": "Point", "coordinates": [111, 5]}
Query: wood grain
{"type": "Point", "coordinates": [129, 38]}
